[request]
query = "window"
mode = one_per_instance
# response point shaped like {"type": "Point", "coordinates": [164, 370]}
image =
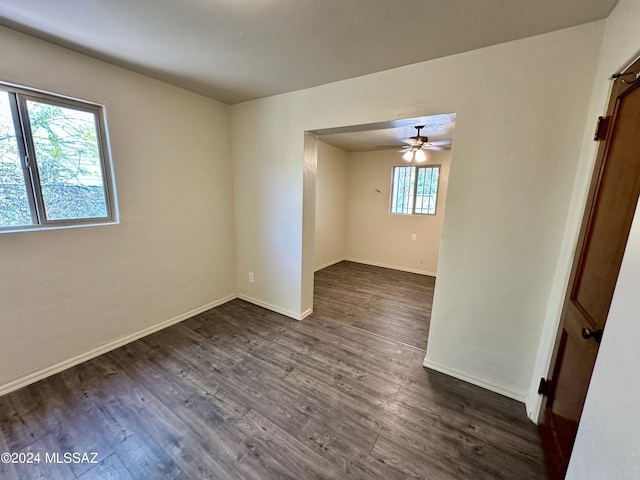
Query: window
{"type": "Point", "coordinates": [414, 190]}
{"type": "Point", "coordinates": [54, 168]}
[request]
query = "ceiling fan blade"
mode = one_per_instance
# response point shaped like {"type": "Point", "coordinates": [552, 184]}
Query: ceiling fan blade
{"type": "Point", "coordinates": [441, 142]}
{"type": "Point", "coordinates": [437, 148]}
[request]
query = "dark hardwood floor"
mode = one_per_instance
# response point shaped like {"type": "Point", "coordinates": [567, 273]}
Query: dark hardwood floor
{"type": "Point", "coordinates": [239, 392]}
{"type": "Point", "coordinates": [391, 303]}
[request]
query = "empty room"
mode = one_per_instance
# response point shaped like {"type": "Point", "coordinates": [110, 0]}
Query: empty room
{"type": "Point", "coordinates": [201, 279]}
{"type": "Point", "coordinates": [380, 204]}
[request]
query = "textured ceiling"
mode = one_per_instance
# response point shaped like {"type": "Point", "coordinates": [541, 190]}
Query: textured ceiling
{"type": "Point", "coordinates": [375, 136]}
{"type": "Point", "coordinates": [237, 50]}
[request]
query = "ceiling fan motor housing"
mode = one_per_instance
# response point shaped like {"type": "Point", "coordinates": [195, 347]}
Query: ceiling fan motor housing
{"type": "Point", "coordinates": [419, 139]}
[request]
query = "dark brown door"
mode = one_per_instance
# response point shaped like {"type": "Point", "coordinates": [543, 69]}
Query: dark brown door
{"type": "Point", "coordinates": [610, 208]}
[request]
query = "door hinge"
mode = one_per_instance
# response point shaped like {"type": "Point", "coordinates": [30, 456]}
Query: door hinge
{"type": "Point", "coordinates": [602, 126]}
{"type": "Point", "coordinates": [544, 388]}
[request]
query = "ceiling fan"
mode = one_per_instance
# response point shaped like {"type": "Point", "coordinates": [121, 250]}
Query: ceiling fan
{"type": "Point", "coordinates": [414, 148]}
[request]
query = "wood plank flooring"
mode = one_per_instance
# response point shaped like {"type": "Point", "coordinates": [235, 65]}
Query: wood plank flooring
{"type": "Point", "coordinates": [239, 392]}
{"type": "Point", "coordinates": [387, 302]}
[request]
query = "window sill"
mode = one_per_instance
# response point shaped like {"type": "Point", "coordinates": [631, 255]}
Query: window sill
{"type": "Point", "coordinates": [39, 228]}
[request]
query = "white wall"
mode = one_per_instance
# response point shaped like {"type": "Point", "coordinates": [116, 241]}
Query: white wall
{"type": "Point", "coordinates": [375, 236]}
{"type": "Point", "coordinates": [331, 206]}
{"type": "Point", "coordinates": [519, 124]}
{"type": "Point", "coordinates": [608, 441]}
{"type": "Point", "coordinates": [67, 294]}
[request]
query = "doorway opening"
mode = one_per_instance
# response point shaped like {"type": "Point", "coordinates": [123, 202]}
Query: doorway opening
{"type": "Point", "coordinates": [380, 201]}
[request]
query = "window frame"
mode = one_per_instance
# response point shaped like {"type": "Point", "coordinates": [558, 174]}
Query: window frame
{"type": "Point", "coordinates": [416, 168]}
{"type": "Point", "coordinates": [18, 97]}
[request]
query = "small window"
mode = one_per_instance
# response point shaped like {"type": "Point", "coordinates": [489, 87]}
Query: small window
{"type": "Point", "coordinates": [54, 168]}
{"type": "Point", "coordinates": [414, 190]}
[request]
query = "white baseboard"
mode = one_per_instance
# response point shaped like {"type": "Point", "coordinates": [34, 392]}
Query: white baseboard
{"type": "Point", "coordinates": [328, 264]}
{"type": "Point", "coordinates": [273, 308]}
{"type": "Point", "coordinates": [534, 407]}
{"type": "Point", "coordinates": [306, 313]}
{"type": "Point", "coordinates": [452, 372]}
{"type": "Point", "coordinates": [96, 352]}
{"type": "Point", "coordinates": [393, 267]}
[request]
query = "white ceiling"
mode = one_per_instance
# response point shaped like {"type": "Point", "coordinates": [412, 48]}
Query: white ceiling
{"type": "Point", "coordinates": [237, 50]}
{"type": "Point", "coordinates": [375, 136]}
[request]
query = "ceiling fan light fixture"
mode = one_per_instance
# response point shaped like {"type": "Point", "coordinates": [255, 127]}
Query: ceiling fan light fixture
{"type": "Point", "coordinates": [420, 156]}
{"type": "Point", "coordinates": [408, 156]}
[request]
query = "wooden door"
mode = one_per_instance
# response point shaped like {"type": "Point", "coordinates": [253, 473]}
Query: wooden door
{"type": "Point", "coordinates": [605, 229]}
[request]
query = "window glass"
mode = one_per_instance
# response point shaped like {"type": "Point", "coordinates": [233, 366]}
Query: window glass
{"type": "Point", "coordinates": [14, 202]}
{"type": "Point", "coordinates": [427, 190]}
{"type": "Point", "coordinates": [403, 190]}
{"type": "Point", "coordinates": [67, 153]}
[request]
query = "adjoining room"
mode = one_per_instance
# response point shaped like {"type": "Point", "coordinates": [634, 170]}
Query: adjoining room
{"type": "Point", "coordinates": [380, 204]}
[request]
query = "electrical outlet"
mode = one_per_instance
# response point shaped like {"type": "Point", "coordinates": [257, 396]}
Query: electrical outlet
{"type": "Point", "coordinates": [252, 277]}
{"type": "Point", "coordinates": [414, 237]}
